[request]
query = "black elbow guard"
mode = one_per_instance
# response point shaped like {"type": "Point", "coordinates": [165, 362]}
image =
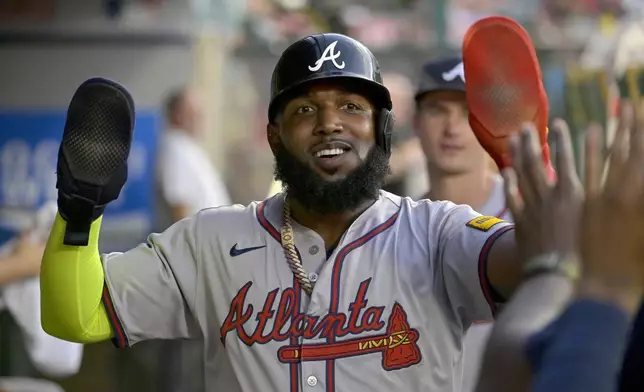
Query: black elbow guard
{"type": "Point", "coordinates": [92, 159]}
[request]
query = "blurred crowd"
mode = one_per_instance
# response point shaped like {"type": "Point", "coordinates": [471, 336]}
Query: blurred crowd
{"type": "Point", "coordinates": [384, 24]}
{"type": "Point", "coordinates": [403, 34]}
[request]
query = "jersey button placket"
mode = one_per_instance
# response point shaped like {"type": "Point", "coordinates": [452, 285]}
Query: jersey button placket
{"type": "Point", "coordinates": [313, 260]}
{"type": "Point", "coordinates": [313, 373]}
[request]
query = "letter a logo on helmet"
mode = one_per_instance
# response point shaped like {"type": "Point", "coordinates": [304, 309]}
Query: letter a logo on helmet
{"type": "Point", "coordinates": [457, 72]}
{"type": "Point", "coordinates": [329, 54]}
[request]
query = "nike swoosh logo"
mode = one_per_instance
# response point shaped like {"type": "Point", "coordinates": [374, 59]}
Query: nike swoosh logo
{"type": "Point", "coordinates": [236, 252]}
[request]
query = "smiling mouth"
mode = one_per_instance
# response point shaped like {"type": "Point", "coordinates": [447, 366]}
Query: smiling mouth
{"type": "Point", "coordinates": [328, 153]}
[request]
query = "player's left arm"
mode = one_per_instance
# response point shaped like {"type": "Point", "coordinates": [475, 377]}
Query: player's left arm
{"type": "Point", "coordinates": [489, 242]}
{"type": "Point", "coordinates": [487, 245]}
{"type": "Point", "coordinates": [470, 246]}
{"type": "Point", "coordinates": [503, 266]}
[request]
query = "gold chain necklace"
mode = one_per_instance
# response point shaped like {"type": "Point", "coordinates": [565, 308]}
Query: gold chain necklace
{"type": "Point", "coordinates": [292, 257]}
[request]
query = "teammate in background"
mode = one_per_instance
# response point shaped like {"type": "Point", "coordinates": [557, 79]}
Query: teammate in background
{"type": "Point", "coordinates": [459, 168]}
{"type": "Point", "coordinates": [20, 296]}
{"type": "Point", "coordinates": [332, 285]}
{"type": "Point", "coordinates": [21, 262]}
{"type": "Point", "coordinates": [187, 180]}
{"type": "Point", "coordinates": [406, 160]}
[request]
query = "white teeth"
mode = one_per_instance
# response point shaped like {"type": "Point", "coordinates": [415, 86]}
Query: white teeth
{"type": "Point", "coordinates": [329, 152]}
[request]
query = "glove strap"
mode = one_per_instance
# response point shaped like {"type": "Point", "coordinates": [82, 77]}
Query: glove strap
{"type": "Point", "coordinates": [79, 212]}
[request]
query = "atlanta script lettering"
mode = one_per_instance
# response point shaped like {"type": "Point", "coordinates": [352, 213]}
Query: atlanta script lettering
{"type": "Point", "coordinates": [289, 321]}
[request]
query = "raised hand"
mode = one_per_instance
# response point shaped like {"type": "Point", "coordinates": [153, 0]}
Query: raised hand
{"type": "Point", "coordinates": [612, 227]}
{"type": "Point", "coordinates": [546, 211]}
{"type": "Point", "coordinates": [92, 159]}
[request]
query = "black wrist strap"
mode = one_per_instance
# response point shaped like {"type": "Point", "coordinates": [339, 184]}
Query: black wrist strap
{"type": "Point", "coordinates": [79, 213]}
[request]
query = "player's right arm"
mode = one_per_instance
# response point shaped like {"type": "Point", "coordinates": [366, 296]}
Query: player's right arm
{"type": "Point", "coordinates": [145, 293]}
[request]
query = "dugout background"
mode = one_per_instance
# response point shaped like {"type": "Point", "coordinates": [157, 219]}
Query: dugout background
{"type": "Point", "coordinates": [228, 48]}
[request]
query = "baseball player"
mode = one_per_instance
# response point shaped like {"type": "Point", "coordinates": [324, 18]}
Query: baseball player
{"type": "Point", "coordinates": [459, 169]}
{"type": "Point", "coordinates": [331, 285]}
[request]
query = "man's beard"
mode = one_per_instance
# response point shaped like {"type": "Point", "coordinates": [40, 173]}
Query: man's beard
{"type": "Point", "coordinates": [316, 194]}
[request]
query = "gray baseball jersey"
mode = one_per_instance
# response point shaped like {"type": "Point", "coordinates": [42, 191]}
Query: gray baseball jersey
{"type": "Point", "coordinates": [388, 311]}
{"type": "Point", "coordinates": [478, 334]}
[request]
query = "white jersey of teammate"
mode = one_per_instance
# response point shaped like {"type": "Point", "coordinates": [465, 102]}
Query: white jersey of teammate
{"type": "Point", "coordinates": [478, 334]}
{"type": "Point", "coordinates": [51, 356]}
{"type": "Point", "coordinates": [388, 311]}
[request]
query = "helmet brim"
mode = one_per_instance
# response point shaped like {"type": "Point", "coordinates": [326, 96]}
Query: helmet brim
{"type": "Point", "coordinates": [374, 91]}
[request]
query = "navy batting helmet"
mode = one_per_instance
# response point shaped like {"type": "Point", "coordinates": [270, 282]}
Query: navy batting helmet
{"type": "Point", "coordinates": [332, 56]}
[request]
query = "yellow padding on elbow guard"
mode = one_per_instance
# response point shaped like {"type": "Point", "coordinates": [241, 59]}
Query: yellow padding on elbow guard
{"type": "Point", "coordinates": [71, 284]}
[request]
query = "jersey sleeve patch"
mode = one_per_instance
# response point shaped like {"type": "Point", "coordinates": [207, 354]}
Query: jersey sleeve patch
{"type": "Point", "coordinates": [484, 223]}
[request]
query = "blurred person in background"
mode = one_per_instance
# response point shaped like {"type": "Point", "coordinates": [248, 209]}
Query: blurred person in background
{"type": "Point", "coordinates": [461, 14]}
{"type": "Point", "coordinates": [187, 182]}
{"type": "Point", "coordinates": [459, 169]}
{"type": "Point", "coordinates": [20, 297]}
{"type": "Point", "coordinates": [187, 179]}
{"type": "Point", "coordinates": [407, 156]}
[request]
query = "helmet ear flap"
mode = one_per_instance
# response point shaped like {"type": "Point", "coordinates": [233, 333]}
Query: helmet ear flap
{"type": "Point", "coordinates": [384, 130]}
